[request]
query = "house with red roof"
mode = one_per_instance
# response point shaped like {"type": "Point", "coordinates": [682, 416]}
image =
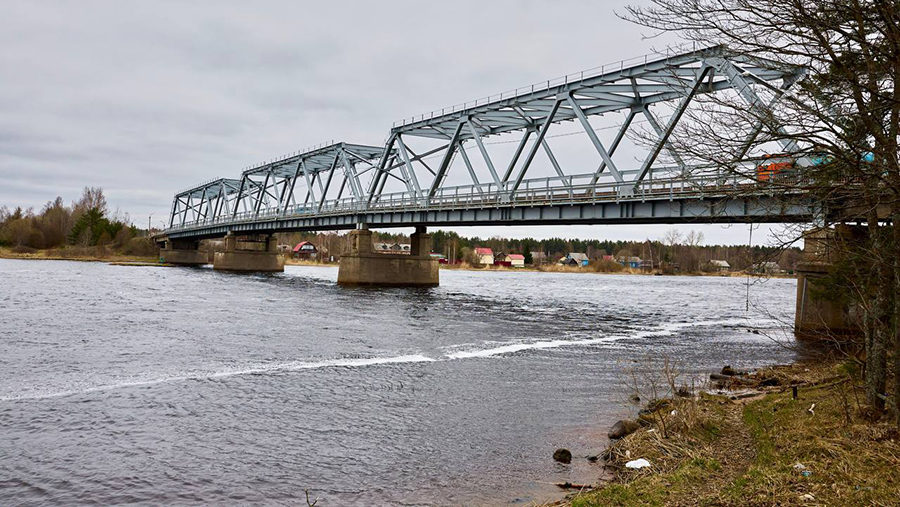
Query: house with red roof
{"type": "Point", "coordinates": [485, 256]}
{"type": "Point", "coordinates": [510, 260]}
{"type": "Point", "coordinates": [305, 250]}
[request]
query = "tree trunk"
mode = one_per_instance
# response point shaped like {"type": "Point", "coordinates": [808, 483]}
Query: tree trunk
{"type": "Point", "coordinates": [880, 330]}
{"type": "Point", "coordinates": [895, 254]}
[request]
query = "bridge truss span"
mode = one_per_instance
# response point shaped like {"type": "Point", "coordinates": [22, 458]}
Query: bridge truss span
{"type": "Point", "coordinates": [341, 184]}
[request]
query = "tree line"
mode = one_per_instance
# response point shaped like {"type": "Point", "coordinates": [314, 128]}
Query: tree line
{"type": "Point", "coordinates": [86, 222]}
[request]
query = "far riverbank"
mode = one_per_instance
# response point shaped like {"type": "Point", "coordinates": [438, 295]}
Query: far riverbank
{"type": "Point", "coordinates": [88, 254]}
{"type": "Point", "coordinates": [103, 254]}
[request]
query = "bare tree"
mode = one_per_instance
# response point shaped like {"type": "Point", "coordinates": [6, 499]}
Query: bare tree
{"type": "Point", "coordinates": [836, 122]}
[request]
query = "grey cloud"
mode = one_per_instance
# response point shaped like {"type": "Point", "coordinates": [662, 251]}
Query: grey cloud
{"type": "Point", "coordinates": [145, 98]}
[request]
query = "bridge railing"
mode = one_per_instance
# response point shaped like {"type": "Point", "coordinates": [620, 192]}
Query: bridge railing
{"type": "Point", "coordinates": [554, 190]}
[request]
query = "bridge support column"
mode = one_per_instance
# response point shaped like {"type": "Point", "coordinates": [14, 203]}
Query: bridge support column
{"type": "Point", "coordinates": [363, 266]}
{"type": "Point", "coordinates": [250, 254]}
{"type": "Point", "coordinates": [818, 317]}
{"type": "Point", "coordinates": [182, 252]}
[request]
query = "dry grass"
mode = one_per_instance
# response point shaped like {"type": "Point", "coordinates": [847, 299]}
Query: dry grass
{"type": "Point", "coordinates": [74, 253]}
{"type": "Point", "coordinates": [743, 452]}
{"type": "Point", "coordinates": [290, 261]}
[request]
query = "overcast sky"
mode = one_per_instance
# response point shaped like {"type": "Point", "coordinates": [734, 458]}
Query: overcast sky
{"type": "Point", "coordinates": [146, 98]}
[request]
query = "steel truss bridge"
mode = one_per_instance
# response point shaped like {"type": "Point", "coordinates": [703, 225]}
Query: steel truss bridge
{"type": "Point", "coordinates": [339, 185]}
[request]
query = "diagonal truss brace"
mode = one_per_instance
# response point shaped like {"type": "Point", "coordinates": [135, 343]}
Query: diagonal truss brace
{"type": "Point", "coordinates": [594, 139]}
{"type": "Point", "coordinates": [673, 121]}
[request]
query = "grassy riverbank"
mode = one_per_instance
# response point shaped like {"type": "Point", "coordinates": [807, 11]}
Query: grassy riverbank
{"type": "Point", "coordinates": [84, 254]}
{"type": "Point", "coordinates": [766, 449]}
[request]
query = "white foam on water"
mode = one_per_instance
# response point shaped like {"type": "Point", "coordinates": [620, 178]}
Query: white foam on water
{"type": "Point", "coordinates": [272, 368]}
{"type": "Point", "coordinates": [665, 330]}
{"type": "Point", "coordinates": [505, 348]}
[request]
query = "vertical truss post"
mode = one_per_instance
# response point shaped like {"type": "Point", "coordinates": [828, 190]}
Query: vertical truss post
{"type": "Point", "coordinates": [594, 139]}
{"type": "Point", "coordinates": [534, 147]}
{"type": "Point", "coordinates": [445, 161]}
{"type": "Point", "coordinates": [484, 153]}
{"type": "Point", "coordinates": [310, 195]}
{"type": "Point", "coordinates": [682, 107]}
{"type": "Point", "coordinates": [350, 169]}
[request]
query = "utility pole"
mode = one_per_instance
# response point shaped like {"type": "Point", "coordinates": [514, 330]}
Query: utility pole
{"type": "Point", "coordinates": [148, 224]}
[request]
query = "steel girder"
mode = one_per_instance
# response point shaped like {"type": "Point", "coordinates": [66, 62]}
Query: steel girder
{"type": "Point", "coordinates": [269, 190]}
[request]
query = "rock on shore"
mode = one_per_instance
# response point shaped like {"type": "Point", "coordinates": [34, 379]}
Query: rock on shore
{"type": "Point", "coordinates": [623, 428]}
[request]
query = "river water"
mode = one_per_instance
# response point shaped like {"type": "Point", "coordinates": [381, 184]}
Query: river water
{"type": "Point", "coordinates": [152, 385]}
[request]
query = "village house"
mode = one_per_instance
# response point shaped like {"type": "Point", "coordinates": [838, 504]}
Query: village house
{"type": "Point", "coordinates": [484, 256]}
{"type": "Point", "coordinates": [630, 262]}
{"type": "Point", "coordinates": [768, 268]}
{"type": "Point", "coordinates": [575, 259]}
{"type": "Point", "coordinates": [719, 266]}
{"type": "Point", "coordinates": [510, 260]}
{"type": "Point", "coordinates": [517, 260]}
{"type": "Point", "coordinates": [305, 250]}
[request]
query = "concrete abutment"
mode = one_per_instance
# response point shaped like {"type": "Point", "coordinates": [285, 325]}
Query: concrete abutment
{"type": "Point", "coordinates": [182, 252]}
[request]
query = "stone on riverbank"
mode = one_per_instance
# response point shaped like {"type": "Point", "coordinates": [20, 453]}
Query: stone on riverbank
{"type": "Point", "coordinates": [623, 428]}
{"type": "Point", "coordinates": [563, 456]}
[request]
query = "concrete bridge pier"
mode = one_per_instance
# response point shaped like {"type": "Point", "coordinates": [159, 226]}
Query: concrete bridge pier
{"type": "Point", "coordinates": [818, 317]}
{"type": "Point", "coordinates": [363, 266]}
{"type": "Point", "coordinates": [183, 252]}
{"type": "Point", "coordinates": [252, 253]}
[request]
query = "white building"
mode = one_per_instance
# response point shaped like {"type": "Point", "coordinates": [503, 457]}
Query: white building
{"type": "Point", "coordinates": [485, 256]}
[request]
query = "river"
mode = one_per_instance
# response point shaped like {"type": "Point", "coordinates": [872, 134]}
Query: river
{"type": "Point", "coordinates": [151, 385]}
